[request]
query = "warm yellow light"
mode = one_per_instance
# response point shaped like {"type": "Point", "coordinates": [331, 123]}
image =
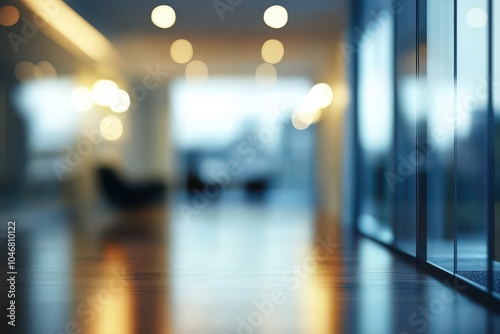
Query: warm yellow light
{"type": "Point", "coordinates": [81, 99]}
{"type": "Point", "coordinates": [276, 17]}
{"type": "Point", "coordinates": [111, 128]}
{"type": "Point", "coordinates": [316, 116]}
{"type": "Point", "coordinates": [163, 16]}
{"type": "Point", "coordinates": [301, 120]}
{"type": "Point", "coordinates": [64, 20]}
{"type": "Point", "coordinates": [477, 17]}
{"type": "Point", "coordinates": [321, 95]}
{"type": "Point", "coordinates": [117, 314]}
{"type": "Point", "coordinates": [103, 92]}
{"type": "Point", "coordinates": [272, 51]}
{"type": "Point", "coordinates": [181, 51]}
{"type": "Point", "coordinates": [121, 101]}
{"type": "Point", "coordinates": [265, 75]}
{"type": "Point", "coordinates": [310, 109]}
{"type": "Point", "coordinates": [304, 116]}
{"type": "Point", "coordinates": [342, 96]}
{"type": "Point", "coordinates": [44, 69]}
{"type": "Point", "coordinates": [196, 72]}
{"type": "Point", "coordinates": [9, 15]}
{"type": "Point", "coordinates": [24, 70]}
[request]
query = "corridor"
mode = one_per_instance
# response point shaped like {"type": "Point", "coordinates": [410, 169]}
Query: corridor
{"type": "Point", "coordinates": [249, 167]}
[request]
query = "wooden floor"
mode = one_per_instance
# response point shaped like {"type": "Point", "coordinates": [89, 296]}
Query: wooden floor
{"type": "Point", "coordinates": [231, 268]}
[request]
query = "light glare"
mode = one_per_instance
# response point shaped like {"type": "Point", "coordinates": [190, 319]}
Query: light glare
{"type": "Point", "coordinates": [181, 51]}
{"type": "Point", "coordinates": [272, 51]}
{"type": "Point", "coordinates": [321, 95]}
{"type": "Point", "coordinates": [276, 17]}
{"type": "Point", "coordinates": [81, 99]}
{"type": "Point", "coordinates": [103, 92]}
{"type": "Point", "coordinates": [163, 16]}
{"type": "Point", "coordinates": [9, 15]}
{"type": "Point", "coordinates": [301, 120]}
{"type": "Point", "coordinates": [24, 71]}
{"type": "Point", "coordinates": [197, 72]}
{"type": "Point", "coordinates": [111, 128]}
{"type": "Point", "coordinates": [477, 17]}
{"type": "Point", "coordinates": [121, 101]}
{"type": "Point", "coordinates": [44, 69]}
{"type": "Point", "coordinates": [265, 75]}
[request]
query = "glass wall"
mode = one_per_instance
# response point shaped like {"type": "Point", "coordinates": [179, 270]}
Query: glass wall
{"type": "Point", "coordinates": [496, 109]}
{"type": "Point", "coordinates": [471, 140]}
{"type": "Point", "coordinates": [440, 105]}
{"type": "Point", "coordinates": [375, 123]}
{"type": "Point", "coordinates": [428, 110]}
{"type": "Point", "coordinates": [407, 153]}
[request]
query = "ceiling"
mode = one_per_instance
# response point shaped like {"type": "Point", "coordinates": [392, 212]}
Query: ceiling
{"type": "Point", "coordinates": [115, 18]}
{"type": "Point", "coordinates": [229, 46]}
{"type": "Point", "coordinates": [311, 26]}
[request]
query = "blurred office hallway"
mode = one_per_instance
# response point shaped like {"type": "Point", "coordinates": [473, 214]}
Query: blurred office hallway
{"type": "Point", "coordinates": [246, 167]}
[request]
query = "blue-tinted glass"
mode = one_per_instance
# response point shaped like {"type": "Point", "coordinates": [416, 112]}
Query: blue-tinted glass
{"type": "Point", "coordinates": [440, 133]}
{"type": "Point", "coordinates": [471, 131]}
{"type": "Point", "coordinates": [496, 110]}
{"type": "Point", "coordinates": [406, 124]}
{"type": "Point", "coordinates": [376, 110]}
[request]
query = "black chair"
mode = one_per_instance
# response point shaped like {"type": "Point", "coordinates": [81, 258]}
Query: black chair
{"type": "Point", "coordinates": [123, 194]}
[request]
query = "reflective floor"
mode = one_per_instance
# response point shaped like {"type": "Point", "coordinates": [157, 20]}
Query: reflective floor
{"type": "Point", "coordinates": [232, 266]}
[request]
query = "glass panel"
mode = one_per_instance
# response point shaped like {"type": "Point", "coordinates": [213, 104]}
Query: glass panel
{"type": "Point", "coordinates": [471, 138]}
{"type": "Point", "coordinates": [496, 108]}
{"type": "Point", "coordinates": [406, 153]}
{"type": "Point", "coordinates": [376, 110]}
{"type": "Point", "coordinates": [440, 129]}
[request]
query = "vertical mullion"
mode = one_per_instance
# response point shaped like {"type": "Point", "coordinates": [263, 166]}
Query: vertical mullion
{"type": "Point", "coordinates": [490, 151]}
{"type": "Point", "coordinates": [455, 72]}
{"type": "Point", "coordinates": [418, 237]}
{"type": "Point", "coordinates": [421, 181]}
{"type": "Point", "coordinates": [421, 226]}
{"type": "Point", "coordinates": [355, 16]}
{"type": "Point", "coordinates": [395, 124]}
